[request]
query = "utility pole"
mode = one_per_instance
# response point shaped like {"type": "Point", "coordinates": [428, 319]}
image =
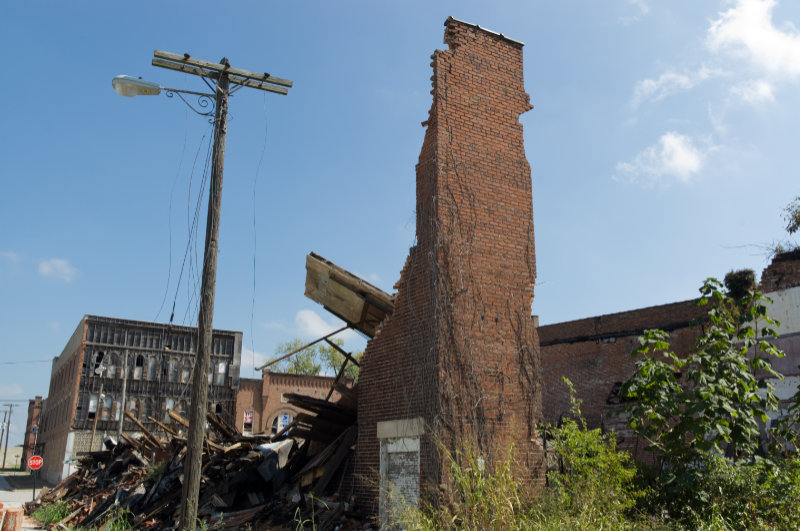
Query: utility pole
{"type": "Point", "coordinates": [100, 398]}
{"type": "Point", "coordinates": [3, 430]}
{"type": "Point", "coordinates": [192, 463]}
{"type": "Point", "coordinates": [121, 408]}
{"type": "Point", "coordinates": [8, 430]}
{"type": "Point", "coordinates": [224, 75]}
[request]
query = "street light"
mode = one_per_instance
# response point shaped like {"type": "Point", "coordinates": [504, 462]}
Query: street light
{"type": "Point", "coordinates": [218, 77]}
{"type": "Point", "coordinates": [129, 87]}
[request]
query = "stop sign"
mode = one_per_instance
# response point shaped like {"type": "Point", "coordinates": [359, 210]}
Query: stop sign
{"type": "Point", "coordinates": [35, 462]}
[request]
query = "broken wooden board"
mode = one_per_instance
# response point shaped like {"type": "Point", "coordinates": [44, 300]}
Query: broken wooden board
{"type": "Point", "coordinates": [352, 299]}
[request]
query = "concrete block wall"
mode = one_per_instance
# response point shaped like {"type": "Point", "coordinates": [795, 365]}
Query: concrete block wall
{"type": "Point", "coordinates": [460, 350]}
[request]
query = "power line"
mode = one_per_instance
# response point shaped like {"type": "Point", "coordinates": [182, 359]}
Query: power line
{"type": "Point", "coordinates": [25, 362]}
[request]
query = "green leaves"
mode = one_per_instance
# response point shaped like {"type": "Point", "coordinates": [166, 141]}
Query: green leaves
{"type": "Point", "coordinates": [718, 404]}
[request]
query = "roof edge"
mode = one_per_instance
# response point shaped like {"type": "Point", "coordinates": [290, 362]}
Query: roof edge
{"type": "Point", "coordinates": [491, 32]}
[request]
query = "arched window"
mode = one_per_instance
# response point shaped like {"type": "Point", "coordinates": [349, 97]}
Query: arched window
{"type": "Point", "coordinates": [172, 373]}
{"type": "Point", "coordinates": [147, 410]}
{"type": "Point", "coordinates": [186, 371]}
{"type": "Point", "coordinates": [138, 367]}
{"type": "Point", "coordinates": [281, 421]}
{"type": "Point", "coordinates": [168, 406]}
{"type": "Point", "coordinates": [111, 365]}
{"type": "Point", "coordinates": [152, 364]}
{"type": "Point", "coordinates": [133, 407]}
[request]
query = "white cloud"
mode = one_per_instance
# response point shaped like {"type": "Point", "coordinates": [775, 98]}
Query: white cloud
{"type": "Point", "coordinates": [310, 323]}
{"type": "Point", "coordinates": [747, 31]}
{"type": "Point", "coordinates": [10, 256]}
{"type": "Point", "coordinates": [643, 8]}
{"type": "Point", "coordinates": [250, 360]}
{"type": "Point", "coordinates": [10, 389]}
{"type": "Point", "coordinates": [753, 92]}
{"type": "Point", "coordinates": [674, 156]}
{"type": "Point", "coordinates": [58, 268]}
{"type": "Point", "coordinates": [642, 5]}
{"type": "Point", "coordinates": [669, 83]}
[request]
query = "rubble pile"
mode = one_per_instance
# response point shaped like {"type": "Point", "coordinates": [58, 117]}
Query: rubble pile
{"type": "Point", "coordinates": [287, 480]}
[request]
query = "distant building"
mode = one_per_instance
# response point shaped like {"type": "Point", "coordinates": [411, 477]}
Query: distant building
{"type": "Point", "coordinates": [261, 404]}
{"type": "Point", "coordinates": [595, 352]}
{"type": "Point", "coordinates": [34, 414]}
{"type": "Point", "coordinates": [89, 378]}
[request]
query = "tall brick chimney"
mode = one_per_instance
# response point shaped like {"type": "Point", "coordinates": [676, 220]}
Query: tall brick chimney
{"type": "Point", "coordinates": [457, 363]}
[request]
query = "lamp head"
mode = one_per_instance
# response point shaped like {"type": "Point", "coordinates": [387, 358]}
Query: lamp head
{"type": "Point", "coordinates": [130, 86]}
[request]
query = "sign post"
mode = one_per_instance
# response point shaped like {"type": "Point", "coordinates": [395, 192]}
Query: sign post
{"type": "Point", "coordinates": [35, 462]}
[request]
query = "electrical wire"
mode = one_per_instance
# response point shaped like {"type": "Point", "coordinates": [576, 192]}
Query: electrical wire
{"type": "Point", "coordinates": [191, 227]}
{"type": "Point", "coordinates": [169, 215]}
{"type": "Point", "coordinates": [255, 240]}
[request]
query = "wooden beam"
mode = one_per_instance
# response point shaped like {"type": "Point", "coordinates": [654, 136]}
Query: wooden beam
{"type": "Point", "coordinates": [202, 72]}
{"type": "Point", "coordinates": [347, 355]}
{"type": "Point", "coordinates": [163, 427]}
{"type": "Point", "coordinates": [148, 436]}
{"type": "Point", "coordinates": [177, 418]}
{"type": "Point", "coordinates": [295, 351]}
{"type": "Point", "coordinates": [182, 58]}
{"type": "Point", "coordinates": [188, 69]}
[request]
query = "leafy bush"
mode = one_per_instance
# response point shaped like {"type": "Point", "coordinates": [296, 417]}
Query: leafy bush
{"type": "Point", "coordinates": [712, 402]}
{"type": "Point", "coordinates": [759, 494]}
{"type": "Point", "coordinates": [595, 489]}
{"type": "Point", "coordinates": [51, 513]}
{"type": "Point", "coordinates": [477, 498]}
{"type": "Point", "coordinates": [595, 486]}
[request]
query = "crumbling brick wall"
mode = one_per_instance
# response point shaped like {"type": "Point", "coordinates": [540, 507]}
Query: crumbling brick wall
{"type": "Point", "coordinates": [460, 350]}
{"type": "Point", "coordinates": [783, 272]}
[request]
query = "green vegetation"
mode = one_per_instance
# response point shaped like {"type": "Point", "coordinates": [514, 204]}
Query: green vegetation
{"type": "Point", "coordinates": [704, 413]}
{"type": "Point", "coordinates": [316, 359]}
{"type": "Point", "coordinates": [51, 513]}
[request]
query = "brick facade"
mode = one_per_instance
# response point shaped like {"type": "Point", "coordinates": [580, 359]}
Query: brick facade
{"type": "Point", "coordinates": [264, 397]}
{"type": "Point", "coordinates": [595, 353]}
{"type": "Point", "coordinates": [782, 272]}
{"type": "Point", "coordinates": [88, 378]}
{"type": "Point", "coordinates": [34, 412]}
{"type": "Point", "coordinates": [460, 350]}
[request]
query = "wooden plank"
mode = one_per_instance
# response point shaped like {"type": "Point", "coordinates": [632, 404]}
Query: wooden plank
{"type": "Point", "coordinates": [186, 69]}
{"type": "Point", "coordinates": [258, 85]}
{"type": "Point", "coordinates": [345, 441]}
{"type": "Point", "coordinates": [265, 77]}
{"type": "Point", "coordinates": [345, 295]}
{"type": "Point", "coordinates": [177, 418]}
{"type": "Point", "coordinates": [163, 427]}
{"type": "Point", "coordinates": [219, 426]}
{"type": "Point", "coordinates": [197, 71]}
{"type": "Point", "coordinates": [148, 436]}
{"type": "Point", "coordinates": [295, 351]}
{"type": "Point", "coordinates": [347, 355]}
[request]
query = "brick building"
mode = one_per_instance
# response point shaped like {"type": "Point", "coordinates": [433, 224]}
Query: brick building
{"type": "Point", "coordinates": [28, 445]}
{"type": "Point", "coordinates": [457, 362]}
{"type": "Point", "coordinates": [595, 353]}
{"type": "Point", "coordinates": [89, 378]}
{"type": "Point", "coordinates": [261, 406]}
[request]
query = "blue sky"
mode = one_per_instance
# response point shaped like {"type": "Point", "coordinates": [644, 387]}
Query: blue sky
{"type": "Point", "coordinates": [663, 145]}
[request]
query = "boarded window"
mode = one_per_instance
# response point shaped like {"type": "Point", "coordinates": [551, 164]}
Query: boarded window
{"type": "Point", "coordinates": [399, 466]}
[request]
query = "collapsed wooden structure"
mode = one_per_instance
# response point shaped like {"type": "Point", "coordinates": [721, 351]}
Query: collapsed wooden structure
{"type": "Point", "coordinates": [258, 482]}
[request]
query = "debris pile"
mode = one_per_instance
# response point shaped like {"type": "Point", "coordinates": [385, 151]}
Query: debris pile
{"type": "Point", "coordinates": [290, 479]}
